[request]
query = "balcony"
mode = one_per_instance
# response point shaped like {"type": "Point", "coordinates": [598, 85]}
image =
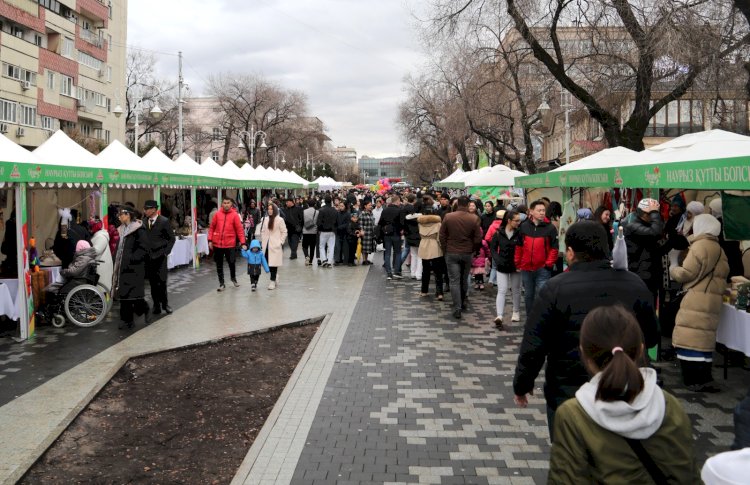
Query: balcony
{"type": "Point", "coordinates": [92, 38]}
{"type": "Point", "coordinates": [95, 9]}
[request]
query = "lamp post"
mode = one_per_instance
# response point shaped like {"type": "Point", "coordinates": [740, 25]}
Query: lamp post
{"type": "Point", "coordinates": [156, 112]}
{"type": "Point", "coordinates": [253, 133]}
{"type": "Point", "coordinates": [276, 157]}
{"type": "Point", "coordinates": [566, 105]}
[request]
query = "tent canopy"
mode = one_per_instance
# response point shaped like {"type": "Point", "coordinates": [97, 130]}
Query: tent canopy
{"type": "Point", "coordinates": [714, 159]}
{"type": "Point", "coordinates": [454, 180]}
{"type": "Point", "coordinates": [497, 176]}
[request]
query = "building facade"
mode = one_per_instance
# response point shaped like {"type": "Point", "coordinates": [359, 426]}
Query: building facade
{"type": "Point", "coordinates": [373, 169]}
{"type": "Point", "coordinates": [63, 67]}
{"type": "Point", "coordinates": [346, 159]}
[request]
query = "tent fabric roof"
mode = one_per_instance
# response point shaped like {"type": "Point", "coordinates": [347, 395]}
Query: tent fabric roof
{"type": "Point", "coordinates": [453, 180]}
{"type": "Point", "coordinates": [704, 145]}
{"type": "Point", "coordinates": [59, 149]}
{"type": "Point", "coordinates": [118, 156]}
{"type": "Point", "coordinates": [160, 162]}
{"type": "Point", "coordinates": [602, 159]}
{"type": "Point", "coordinates": [497, 176]}
{"type": "Point", "coordinates": [13, 153]}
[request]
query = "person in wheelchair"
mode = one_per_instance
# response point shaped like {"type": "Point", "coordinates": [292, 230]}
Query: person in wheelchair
{"type": "Point", "coordinates": [83, 259]}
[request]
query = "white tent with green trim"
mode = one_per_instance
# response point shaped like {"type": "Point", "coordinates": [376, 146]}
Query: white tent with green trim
{"type": "Point", "coordinates": [497, 176]}
{"type": "Point", "coordinates": [454, 180]}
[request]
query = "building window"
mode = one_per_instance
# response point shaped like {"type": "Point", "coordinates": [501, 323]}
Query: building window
{"type": "Point", "coordinates": [109, 73]}
{"type": "Point", "coordinates": [109, 41]}
{"type": "Point", "coordinates": [17, 31]}
{"type": "Point", "coordinates": [215, 155]}
{"type": "Point", "coordinates": [86, 130]}
{"type": "Point", "coordinates": [28, 115]}
{"type": "Point", "coordinates": [8, 111]}
{"type": "Point", "coordinates": [68, 47]}
{"type": "Point", "coordinates": [38, 40]}
{"type": "Point", "coordinates": [89, 61]}
{"type": "Point", "coordinates": [109, 8]}
{"type": "Point", "coordinates": [216, 134]}
{"type": "Point", "coordinates": [198, 156]}
{"type": "Point", "coordinates": [66, 85]}
{"type": "Point", "coordinates": [48, 123]}
{"type": "Point", "coordinates": [12, 71]}
{"type": "Point", "coordinates": [107, 136]}
{"type": "Point", "coordinates": [50, 80]}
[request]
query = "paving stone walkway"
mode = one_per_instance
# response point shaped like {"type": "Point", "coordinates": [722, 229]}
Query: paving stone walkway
{"type": "Point", "coordinates": [418, 397]}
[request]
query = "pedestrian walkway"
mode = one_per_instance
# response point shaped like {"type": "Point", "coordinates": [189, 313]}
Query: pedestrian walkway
{"type": "Point", "coordinates": [392, 389]}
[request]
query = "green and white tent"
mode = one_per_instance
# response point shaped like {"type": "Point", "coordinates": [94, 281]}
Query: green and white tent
{"type": "Point", "coordinates": [714, 160]}
{"type": "Point", "coordinates": [454, 180]}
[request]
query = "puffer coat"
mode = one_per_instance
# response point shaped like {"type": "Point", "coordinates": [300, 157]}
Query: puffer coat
{"type": "Point", "coordinates": [272, 240]}
{"type": "Point", "coordinates": [429, 232]}
{"type": "Point", "coordinates": [703, 274]}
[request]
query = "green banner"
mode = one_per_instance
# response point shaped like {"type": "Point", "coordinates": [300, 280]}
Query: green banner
{"type": "Point", "coordinates": [717, 174]}
{"type": "Point", "coordinates": [490, 194]}
{"type": "Point", "coordinates": [21, 172]}
{"type": "Point", "coordinates": [736, 216]}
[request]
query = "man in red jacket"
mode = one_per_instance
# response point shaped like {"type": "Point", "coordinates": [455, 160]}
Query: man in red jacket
{"type": "Point", "coordinates": [537, 253]}
{"type": "Point", "coordinates": [223, 234]}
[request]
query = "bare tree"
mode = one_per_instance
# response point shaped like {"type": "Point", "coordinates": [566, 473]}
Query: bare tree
{"type": "Point", "coordinates": [143, 91]}
{"type": "Point", "coordinates": [250, 102]}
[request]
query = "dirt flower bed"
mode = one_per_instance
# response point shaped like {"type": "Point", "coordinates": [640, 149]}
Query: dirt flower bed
{"type": "Point", "coordinates": [184, 416]}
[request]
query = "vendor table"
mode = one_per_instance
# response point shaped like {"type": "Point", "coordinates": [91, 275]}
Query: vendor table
{"type": "Point", "coordinates": [8, 295]}
{"type": "Point", "coordinates": [182, 252]}
{"type": "Point", "coordinates": [734, 329]}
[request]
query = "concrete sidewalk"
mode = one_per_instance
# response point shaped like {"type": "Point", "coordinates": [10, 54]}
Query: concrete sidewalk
{"type": "Point", "coordinates": [30, 423]}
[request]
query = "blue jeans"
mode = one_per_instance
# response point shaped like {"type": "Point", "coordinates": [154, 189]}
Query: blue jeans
{"type": "Point", "coordinates": [392, 244]}
{"type": "Point", "coordinates": [533, 281]}
{"type": "Point", "coordinates": [459, 267]}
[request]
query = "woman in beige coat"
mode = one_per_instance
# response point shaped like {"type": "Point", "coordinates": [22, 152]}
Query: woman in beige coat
{"type": "Point", "coordinates": [272, 233]}
{"type": "Point", "coordinates": [703, 274]}
{"type": "Point", "coordinates": [429, 249]}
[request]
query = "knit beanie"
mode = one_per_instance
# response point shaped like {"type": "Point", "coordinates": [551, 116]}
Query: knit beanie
{"type": "Point", "coordinates": [706, 224]}
{"type": "Point", "coordinates": [82, 244]}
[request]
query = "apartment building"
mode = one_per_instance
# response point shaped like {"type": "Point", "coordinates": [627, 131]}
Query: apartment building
{"type": "Point", "coordinates": [63, 66]}
{"type": "Point", "coordinates": [346, 158]}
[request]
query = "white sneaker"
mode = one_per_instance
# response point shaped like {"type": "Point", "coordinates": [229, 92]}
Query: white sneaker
{"type": "Point", "coordinates": [272, 285]}
{"type": "Point", "coordinates": [516, 317]}
{"type": "Point", "coordinates": [254, 287]}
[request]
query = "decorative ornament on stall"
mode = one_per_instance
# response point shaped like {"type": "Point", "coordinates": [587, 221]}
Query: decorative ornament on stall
{"type": "Point", "coordinates": [33, 256]}
{"type": "Point", "coordinates": [65, 218]}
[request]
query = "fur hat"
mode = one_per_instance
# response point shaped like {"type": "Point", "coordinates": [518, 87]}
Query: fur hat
{"type": "Point", "coordinates": [715, 206]}
{"type": "Point", "coordinates": [696, 208]}
{"type": "Point", "coordinates": [706, 224]}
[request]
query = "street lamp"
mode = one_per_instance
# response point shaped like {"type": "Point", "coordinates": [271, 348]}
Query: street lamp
{"type": "Point", "coordinates": [253, 134]}
{"type": "Point", "coordinates": [566, 104]}
{"type": "Point", "coordinates": [155, 112]}
{"type": "Point", "coordinates": [276, 156]}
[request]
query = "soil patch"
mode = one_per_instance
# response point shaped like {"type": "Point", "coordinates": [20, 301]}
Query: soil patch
{"type": "Point", "coordinates": [183, 416]}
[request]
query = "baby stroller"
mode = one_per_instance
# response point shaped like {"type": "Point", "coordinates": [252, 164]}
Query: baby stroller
{"type": "Point", "coordinates": [84, 299]}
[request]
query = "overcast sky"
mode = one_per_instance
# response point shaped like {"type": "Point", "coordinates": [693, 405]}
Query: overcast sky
{"type": "Point", "coordinates": [349, 56]}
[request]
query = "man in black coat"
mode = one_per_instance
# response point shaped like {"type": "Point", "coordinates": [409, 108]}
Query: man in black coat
{"type": "Point", "coordinates": [294, 219]}
{"type": "Point", "coordinates": [161, 240]}
{"type": "Point", "coordinates": [553, 327]}
{"type": "Point", "coordinates": [643, 236]}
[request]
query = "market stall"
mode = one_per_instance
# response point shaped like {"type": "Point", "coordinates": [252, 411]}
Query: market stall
{"type": "Point", "coordinates": [453, 181]}
{"type": "Point", "coordinates": [493, 183]}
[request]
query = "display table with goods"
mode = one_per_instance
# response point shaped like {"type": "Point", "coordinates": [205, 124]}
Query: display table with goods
{"type": "Point", "coordinates": [8, 294]}
{"type": "Point", "coordinates": [182, 252]}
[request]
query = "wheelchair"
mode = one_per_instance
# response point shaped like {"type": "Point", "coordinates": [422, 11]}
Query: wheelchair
{"type": "Point", "coordinates": [83, 301]}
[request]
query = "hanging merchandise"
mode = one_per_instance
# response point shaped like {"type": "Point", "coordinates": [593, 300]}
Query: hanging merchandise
{"type": "Point", "coordinates": [736, 216]}
{"type": "Point", "coordinates": [568, 217]}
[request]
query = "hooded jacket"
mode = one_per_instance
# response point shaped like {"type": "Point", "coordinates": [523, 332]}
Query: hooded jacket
{"type": "Point", "coordinates": [429, 231]}
{"type": "Point", "coordinates": [81, 261]}
{"type": "Point", "coordinates": [255, 257]}
{"type": "Point", "coordinates": [590, 445]}
{"type": "Point", "coordinates": [226, 229]}
{"type": "Point", "coordinates": [503, 250]}
{"type": "Point", "coordinates": [644, 248]}
{"type": "Point", "coordinates": [703, 274]}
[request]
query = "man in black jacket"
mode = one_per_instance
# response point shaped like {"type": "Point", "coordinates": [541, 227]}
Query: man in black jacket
{"type": "Point", "coordinates": [161, 240]}
{"type": "Point", "coordinates": [390, 227]}
{"type": "Point", "coordinates": [553, 327]}
{"type": "Point", "coordinates": [294, 219]}
{"type": "Point", "coordinates": [643, 238]}
{"type": "Point", "coordinates": [409, 214]}
{"type": "Point", "coordinates": [327, 223]}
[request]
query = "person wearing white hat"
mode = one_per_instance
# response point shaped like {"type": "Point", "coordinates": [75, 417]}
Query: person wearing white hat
{"type": "Point", "coordinates": [642, 236]}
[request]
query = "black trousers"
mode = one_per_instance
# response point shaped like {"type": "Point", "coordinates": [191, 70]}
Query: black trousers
{"type": "Point", "coordinates": [231, 255]}
{"type": "Point", "coordinates": [293, 243]}
{"type": "Point", "coordinates": [309, 245]}
{"type": "Point", "coordinates": [130, 307]}
{"type": "Point", "coordinates": [156, 273]}
{"type": "Point", "coordinates": [436, 266]}
{"type": "Point", "coordinates": [696, 373]}
{"type": "Point", "coordinates": [352, 249]}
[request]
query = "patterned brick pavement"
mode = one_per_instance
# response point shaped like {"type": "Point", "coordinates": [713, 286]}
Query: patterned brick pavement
{"type": "Point", "coordinates": [417, 397]}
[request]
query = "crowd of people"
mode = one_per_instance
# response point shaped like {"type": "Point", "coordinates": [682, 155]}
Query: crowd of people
{"type": "Point", "coordinates": [588, 319]}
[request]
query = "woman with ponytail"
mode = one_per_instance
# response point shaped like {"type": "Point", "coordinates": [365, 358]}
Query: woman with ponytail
{"type": "Point", "coordinates": [621, 427]}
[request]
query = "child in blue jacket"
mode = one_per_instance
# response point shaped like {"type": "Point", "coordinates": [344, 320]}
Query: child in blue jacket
{"type": "Point", "coordinates": [255, 259]}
